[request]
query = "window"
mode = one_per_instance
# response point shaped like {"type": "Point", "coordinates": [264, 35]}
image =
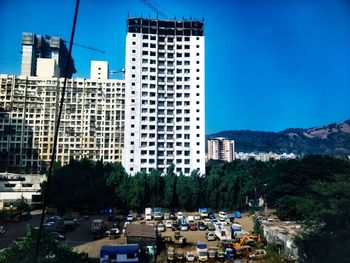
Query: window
{"type": "Point", "coordinates": [133, 51]}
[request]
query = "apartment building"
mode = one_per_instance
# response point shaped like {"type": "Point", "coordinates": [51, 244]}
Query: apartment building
{"type": "Point", "coordinates": [221, 149]}
{"type": "Point", "coordinates": [92, 123]}
{"type": "Point", "coordinates": [164, 96]}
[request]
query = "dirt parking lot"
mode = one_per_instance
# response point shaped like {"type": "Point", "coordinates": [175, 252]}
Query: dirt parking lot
{"type": "Point", "coordinates": [93, 247]}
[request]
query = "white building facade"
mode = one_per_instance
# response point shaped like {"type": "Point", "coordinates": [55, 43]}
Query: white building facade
{"type": "Point", "coordinates": [164, 96]}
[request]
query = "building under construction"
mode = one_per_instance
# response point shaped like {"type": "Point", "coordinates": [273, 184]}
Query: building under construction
{"type": "Point", "coordinates": [44, 52]}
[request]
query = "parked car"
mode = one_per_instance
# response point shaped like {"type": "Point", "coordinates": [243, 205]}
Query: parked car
{"type": "Point", "coordinates": [57, 236]}
{"type": "Point", "coordinates": [202, 226]}
{"type": "Point", "coordinates": [166, 216]}
{"type": "Point", "coordinates": [258, 254]}
{"type": "Point", "coordinates": [130, 218]}
{"type": "Point", "coordinates": [190, 256]}
{"type": "Point", "coordinates": [190, 218]}
{"type": "Point", "coordinates": [113, 232]}
{"type": "Point", "coordinates": [2, 230]}
{"type": "Point", "coordinates": [184, 226]}
{"type": "Point", "coordinates": [180, 215]}
{"type": "Point", "coordinates": [211, 215]}
{"type": "Point", "coordinates": [207, 221]}
{"type": "Point", "coordinates": [172, 215]}
{"type": "Point", "coordinates": [175, 226]}
{"type": "Point", "coordinates": [211, 236]}
{"type": "Point", "coordinates": [160, 227]}
{"type": "Point", "coordinates": [211, 227]}
{"type": "Point", "coordinates": [222, 215]}
{"type": "Point", "coordinates": [193, 226]}
{"type": "Point", "coordinates": [139, 217]}
{"type": "Point", "coordinates": [196, 216]}
{"type": "Point", "coordinates": [169, 224]}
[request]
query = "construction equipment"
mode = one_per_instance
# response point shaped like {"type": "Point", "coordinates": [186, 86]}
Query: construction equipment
{"type": "Point", "coordinates": [86, 47]}
{"type": "Point", "coordinates": [154, 8]}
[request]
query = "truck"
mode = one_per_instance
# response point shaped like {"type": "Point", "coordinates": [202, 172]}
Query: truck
{"type": "Point", "coordinates": [120, 253]}
{"type": "Point", "coordinates": [158, 213]}
{"type": "Point", "coordinates": [236, 231]}
{"type": "Point", "coordinates": [203, 212]}
{"type": "Point", "coordinates": [148, 213]}
{"type": "Point", "coordinates": [98, 228]}
{"type": "Point", "coordinates": [222, 232]}
{"type": "Point", "coordinates": [202, 251]}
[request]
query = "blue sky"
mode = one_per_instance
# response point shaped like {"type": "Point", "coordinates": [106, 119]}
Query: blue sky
{"type": "Point", "coordinates": [270, 65]}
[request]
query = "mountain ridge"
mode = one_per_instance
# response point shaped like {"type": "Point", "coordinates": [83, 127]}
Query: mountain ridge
{"type": "Point", "coordinates": [331, 139]}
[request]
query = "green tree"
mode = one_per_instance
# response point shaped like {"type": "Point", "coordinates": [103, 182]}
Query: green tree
{"type": "Point", "coordinates": [169, 187]}
{"type": "Point", "coordinates": [50, 251]}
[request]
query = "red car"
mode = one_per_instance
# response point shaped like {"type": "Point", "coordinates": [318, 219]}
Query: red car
{"type": "Point", "coordinates": [193, 226]}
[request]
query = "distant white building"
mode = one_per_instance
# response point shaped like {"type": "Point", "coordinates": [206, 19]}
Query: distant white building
{"type": "Point", "coordinates": [264, 157]}
{"type": "Point", "coordinates": [14, 186]}
{"type": "Point", "coordinates": [221, 149]}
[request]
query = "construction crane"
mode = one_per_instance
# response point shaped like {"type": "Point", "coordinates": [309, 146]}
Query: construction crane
{"type": "Point", "coordinates": [87, 47]}
{"type": "Point", "coordinates": [118, 71]}
{"type": "Point", "coordinates": [154, 8]}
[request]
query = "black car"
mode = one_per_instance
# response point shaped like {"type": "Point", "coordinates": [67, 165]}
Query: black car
{"type": "Point", "coordinates": [211, 215]}
{"type": "Point", "coordinates": [202, 226]}
{"type": "Point", "coordinates": [172, 215]}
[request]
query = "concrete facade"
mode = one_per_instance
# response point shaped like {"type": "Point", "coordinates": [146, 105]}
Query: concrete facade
{"type": "Point", "coordinates": [164, 96]}
{"type": "Point", "coordinates": [221, 149]}
{"type": "Point", "coordinates": [92, 123]}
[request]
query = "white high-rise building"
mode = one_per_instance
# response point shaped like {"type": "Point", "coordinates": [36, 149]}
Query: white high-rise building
{"type": "Point", "coordinates": [164, 96]}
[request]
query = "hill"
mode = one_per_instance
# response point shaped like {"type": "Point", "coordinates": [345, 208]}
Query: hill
{"type": "Point", "coordinates": [332, 139]}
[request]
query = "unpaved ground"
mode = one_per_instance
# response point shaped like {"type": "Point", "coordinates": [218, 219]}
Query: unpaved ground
{"type": "Point", "coordinates": [93, 247]}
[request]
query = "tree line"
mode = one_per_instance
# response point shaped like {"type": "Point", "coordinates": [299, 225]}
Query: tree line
{"type": "Point", "coordinates": [313, 190]}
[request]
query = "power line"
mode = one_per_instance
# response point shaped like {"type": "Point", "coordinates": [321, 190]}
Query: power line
{"type": "Point", "coordinates": [46, 193]}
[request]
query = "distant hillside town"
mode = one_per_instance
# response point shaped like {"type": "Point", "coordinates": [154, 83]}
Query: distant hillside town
{"type": "Point", "coordinates": [224, 149]}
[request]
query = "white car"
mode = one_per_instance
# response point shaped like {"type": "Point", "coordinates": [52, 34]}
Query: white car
{"type": "Point", "coordinates": [258, 254]}
{"type": "Point", "coordinates": [113, 232]}
{"type": "Point", "coordinates": [222, 215]}
{"type": "Point", "coordinates": [130, 218]}
{"type": "Point", "coordinates": [190, 218]}
{"type": "Point", "coordinates": [211, 236]}
{"type": "Point", "coordinates": [190, 257]}
{"type": "Point", "coordinates": [160, 227]}
{"type": "Point", "coordinates": [197, 216]}
{"type": "Point", "coordinates": [169, 224]}
{"type": "Point", "coordinates": [180, 215]}
{"type": "Point", "coordinates": [2, 230]}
